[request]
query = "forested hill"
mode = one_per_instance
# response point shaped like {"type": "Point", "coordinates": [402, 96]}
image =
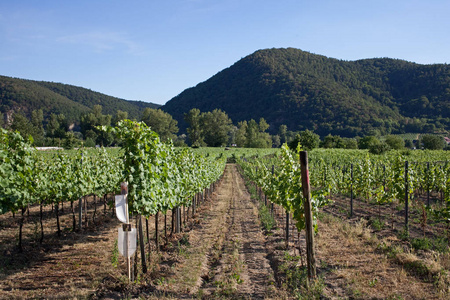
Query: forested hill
{"type": "Point", "coordinates": [308, 91]}
{"type": "Point", "coordinates": [72, 101]}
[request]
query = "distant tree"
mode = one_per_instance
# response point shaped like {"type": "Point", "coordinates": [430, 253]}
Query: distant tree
{"type": "Point", "coordinates": [432, 142]}
{"type": "Point", "coordinates": [332, 141]}
{"type": "Point", "coordinates": [395, 142]}
{"type": "Point", "coordinates": [367, 141]}
{"type": "Point", "coordinates": [276, 141]}
{"type": "Point", "coordinates": [255, 134]}
{"type": "Point", "coordinates": [215, 127]}
{"type": "Point", "coordinates": [160, 122]}
{"type": "Point", "coordinates": [56, 126]}
{"type": "Point", "coordinates": [232, 135]}
{"type": "Point", "coordinates": [282, 132]}
{"type": "Point", "coordinates": [251, 134]}
{"type": "Point", "coordinates": [33, 128]}
{"type": "Point", "coordinates": [379, 148]}
{"type": "Point", "coordinates": [21, 124]}
{"type": "Point", "coordinates": [180, 141]}
{"type": "Point", "coordinates": [409, 143]}
{"type": "Point", "coordinates": [89, 123]}
{"type": "Point", "coordinates": [327, 142]}
{"type": "Point", "coordinates": [70, 140]}
{"type": "Point", "coordinates": [307, 139]}
{"type": "Point", "coordinates": [350, 143]}
{"type": "Point", "coordinates": [37, 119]}
{"type": "Point", "coordinates": [263, 125]}
{"type": "Point", "coordinates": [119, 116]}
{"type": "Point", "coordinates": [194, 130]}
{"type": "Point", "coordinates": [89, 143]}
{"type": "Point", "coordinates": [290, 136]}
{"type": "Point", "coordinates": [241, 134]}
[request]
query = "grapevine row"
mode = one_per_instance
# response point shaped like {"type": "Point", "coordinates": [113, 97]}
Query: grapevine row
{"type": "Point", "coordinates": [160, 177]}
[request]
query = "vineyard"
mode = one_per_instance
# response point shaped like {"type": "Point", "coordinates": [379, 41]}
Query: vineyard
{"type": "Point", "coordinates": [201, 234]}
{"type": "Point", "coordinates": [402, 197]}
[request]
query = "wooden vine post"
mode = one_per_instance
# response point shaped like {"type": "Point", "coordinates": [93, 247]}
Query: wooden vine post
{"type": "Point", "coordinates": [141, 244]}
{"type": "Point", "coordinates": [80, 205]}
{"type": "Point", "coordinates": [351, 191]}
{"type": "Point", "coordinates": [310, 257]}
{"type": "Point", "coordinates": [287, 229]}
{"type": "Point", "coordinates": [406, 198]}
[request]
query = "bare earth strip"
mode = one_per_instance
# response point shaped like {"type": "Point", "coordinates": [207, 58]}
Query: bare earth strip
{"type": "Point", "coordinates": [235, 264]}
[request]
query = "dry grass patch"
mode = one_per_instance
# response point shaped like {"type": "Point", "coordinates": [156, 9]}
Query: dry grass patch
{"type": "Point", "coordinates": [356, 269]}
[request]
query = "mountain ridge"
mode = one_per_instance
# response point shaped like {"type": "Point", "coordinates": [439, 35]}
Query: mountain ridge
{"type": "Point", "coordinates": [309, 91]}
{"type": "Point", "coordinates": [25, 95]}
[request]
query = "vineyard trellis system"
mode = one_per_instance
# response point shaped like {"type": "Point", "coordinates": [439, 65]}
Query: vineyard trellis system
{"type": "Point", "coordinates": [393, 179]}
{"type": "Point", "coordinates": [160, 177]}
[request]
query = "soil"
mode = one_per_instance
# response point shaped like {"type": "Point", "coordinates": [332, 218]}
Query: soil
{"type": "Point", "coordinates": [221, 252]}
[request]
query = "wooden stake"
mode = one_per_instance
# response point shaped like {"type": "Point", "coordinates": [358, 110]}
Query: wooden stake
{"type": "Point", "coordinates": [156, 231]}
{"type": "Point", "coordinates": [287, 229]}
{"type": "Point", "coordinates": [406, 198]}
{"type": "Point", "coordinates": [141, 244]}
{"type": "Point", "coordinates": [80, 214]}
{"type": "Point", "coordinates": [310, 256]}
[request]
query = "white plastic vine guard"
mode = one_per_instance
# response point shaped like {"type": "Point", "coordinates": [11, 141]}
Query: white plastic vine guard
{"type": "Point", "coordinates": [121, 243]}
{"type": "Point", "coordinates": [121, 209]}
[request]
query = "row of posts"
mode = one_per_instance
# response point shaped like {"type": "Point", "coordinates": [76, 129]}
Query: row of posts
{"type": "Point", "coordinates": [306, 187]}
{"type": "Point", "coordinates": [406, 193]}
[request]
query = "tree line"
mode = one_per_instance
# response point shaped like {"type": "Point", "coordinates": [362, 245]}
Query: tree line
{"type": "Point", "coordinates": [205, 129]}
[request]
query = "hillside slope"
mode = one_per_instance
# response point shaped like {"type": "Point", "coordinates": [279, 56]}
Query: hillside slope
{"type": "Point", "coordinates": [308, 91]}
{"type": "Point", "coordinates": [72, 101]}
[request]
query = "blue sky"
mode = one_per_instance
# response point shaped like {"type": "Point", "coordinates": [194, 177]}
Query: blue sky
{"type": "Point", "coordinates": [152, 50]}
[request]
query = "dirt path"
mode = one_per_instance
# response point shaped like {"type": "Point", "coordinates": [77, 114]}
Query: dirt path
{"type": "Point", "coordinates": [243, 268]}
{"type": "Point", "coordinates": [226, 255]}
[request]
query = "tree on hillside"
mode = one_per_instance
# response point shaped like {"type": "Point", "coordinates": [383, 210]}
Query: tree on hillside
{"type": "Point", "coordinates": [194, 130]}
{"type": "Point", "coordinates": [432, 142]}
{"type": "Point", "coordinates": [160, 122]}
{"type": "Point", "coordinates": [216, 127]}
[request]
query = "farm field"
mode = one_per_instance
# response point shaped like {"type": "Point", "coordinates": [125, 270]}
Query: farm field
{"type": "Point", "coordinates": [222, 252]}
